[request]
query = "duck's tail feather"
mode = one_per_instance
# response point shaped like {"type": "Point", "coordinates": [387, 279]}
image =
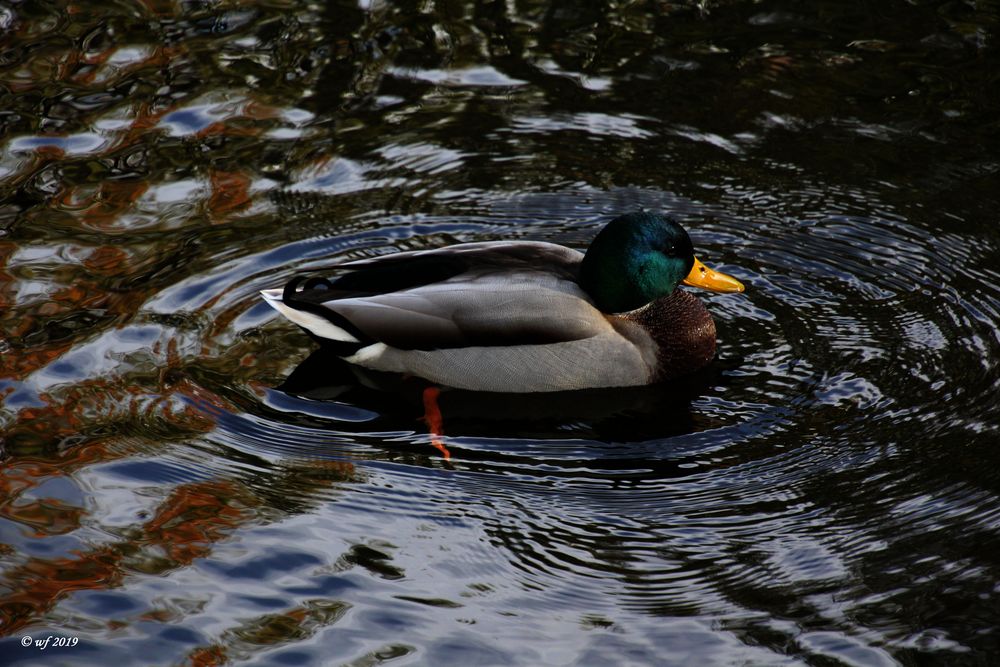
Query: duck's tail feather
{"type": "Point", "coordinates": [325, 326]}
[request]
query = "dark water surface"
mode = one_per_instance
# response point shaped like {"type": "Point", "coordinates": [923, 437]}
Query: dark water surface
{"type": "Point", "coordinates": [828, 493]}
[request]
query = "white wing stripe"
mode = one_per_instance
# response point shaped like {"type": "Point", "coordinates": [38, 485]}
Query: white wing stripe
{"type": "Point", "coordinates": [317, 325]}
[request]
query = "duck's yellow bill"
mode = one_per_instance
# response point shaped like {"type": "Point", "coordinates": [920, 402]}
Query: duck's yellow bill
{"type": "Point", "coordinates": [706, 278]}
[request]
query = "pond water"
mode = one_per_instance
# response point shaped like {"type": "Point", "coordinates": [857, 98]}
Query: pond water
{"type": "Point", "coordinates": [180, 485]}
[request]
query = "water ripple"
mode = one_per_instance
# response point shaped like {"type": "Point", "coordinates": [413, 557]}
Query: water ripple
{"type": "Point", "coordinates": [179, 482]}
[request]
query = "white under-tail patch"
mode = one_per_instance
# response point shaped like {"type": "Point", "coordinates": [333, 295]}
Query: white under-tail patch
{"type": "Point", "coordinates": [318, 326]}
{"type": "Point", "coordinates": [368, 356]}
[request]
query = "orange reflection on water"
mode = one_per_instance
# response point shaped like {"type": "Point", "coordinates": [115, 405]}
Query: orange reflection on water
{"type": "Point", "coordinates": [113, 199]}
{"type": "Point", "coordinates": [264, 632]}
{"type": "Point", "coordinates": [109, 260]}
{"type": "Point", "coordinates": [208, 656]}
{"type": "Point", "coordinates": [230, 193]}
{"type": "Point", "coordinates": [195, 516]}
{"type": "Point", "coordinates": [37, 584]}
{"type": "Point", "coordinates": [47, 516]}
{"type": "Point", "coordinates": [31, 325]}
{"type": "Point", "coordinates": [81, 67]}
{"type": "Point", "coordinates": [192, 518]}
{"type": "Point", "coordinates": [20, 365]}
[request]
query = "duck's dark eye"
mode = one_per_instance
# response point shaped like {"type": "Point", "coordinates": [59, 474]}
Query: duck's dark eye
{"type": "Point", "coordinates": [680, 248]}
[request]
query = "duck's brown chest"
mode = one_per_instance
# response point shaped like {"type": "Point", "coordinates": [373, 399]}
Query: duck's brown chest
{"type": "Point", "coordinates": [683, 331]}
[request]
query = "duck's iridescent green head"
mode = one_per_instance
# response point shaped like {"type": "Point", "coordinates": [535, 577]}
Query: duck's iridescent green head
{"type": "Point", "coordinates": [640, 257]}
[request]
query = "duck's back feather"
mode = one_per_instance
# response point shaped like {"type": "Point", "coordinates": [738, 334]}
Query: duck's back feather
{"type": "Point", "coordinates": [475, 294]}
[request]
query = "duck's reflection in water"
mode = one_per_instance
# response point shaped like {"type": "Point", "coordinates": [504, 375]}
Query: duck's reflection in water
{"type": "Point", "coordinates": [607, 417]}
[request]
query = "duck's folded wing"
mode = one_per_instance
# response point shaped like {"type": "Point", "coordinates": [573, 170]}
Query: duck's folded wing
{"type": "Point", "coordinates": [474, 294]}
{"type": "Point", "coordinates": [481, 253]}
{"type": "Point", "coordinates": [487, 310]}
{"type": "Point", "coordinates": [415, 268]}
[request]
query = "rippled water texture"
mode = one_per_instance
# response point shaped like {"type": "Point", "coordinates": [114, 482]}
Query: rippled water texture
{"type": "Point", "coordinates": [180, 486]}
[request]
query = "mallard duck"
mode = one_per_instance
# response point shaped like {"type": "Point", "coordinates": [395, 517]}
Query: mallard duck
{"type": "Point", "coordinates": [521, 316]}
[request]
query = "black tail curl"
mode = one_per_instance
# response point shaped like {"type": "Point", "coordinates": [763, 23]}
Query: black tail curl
{"type": "Point", "coordinates": [290, 294]}
{"type": "Point", "coordinates": [314, 292]}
